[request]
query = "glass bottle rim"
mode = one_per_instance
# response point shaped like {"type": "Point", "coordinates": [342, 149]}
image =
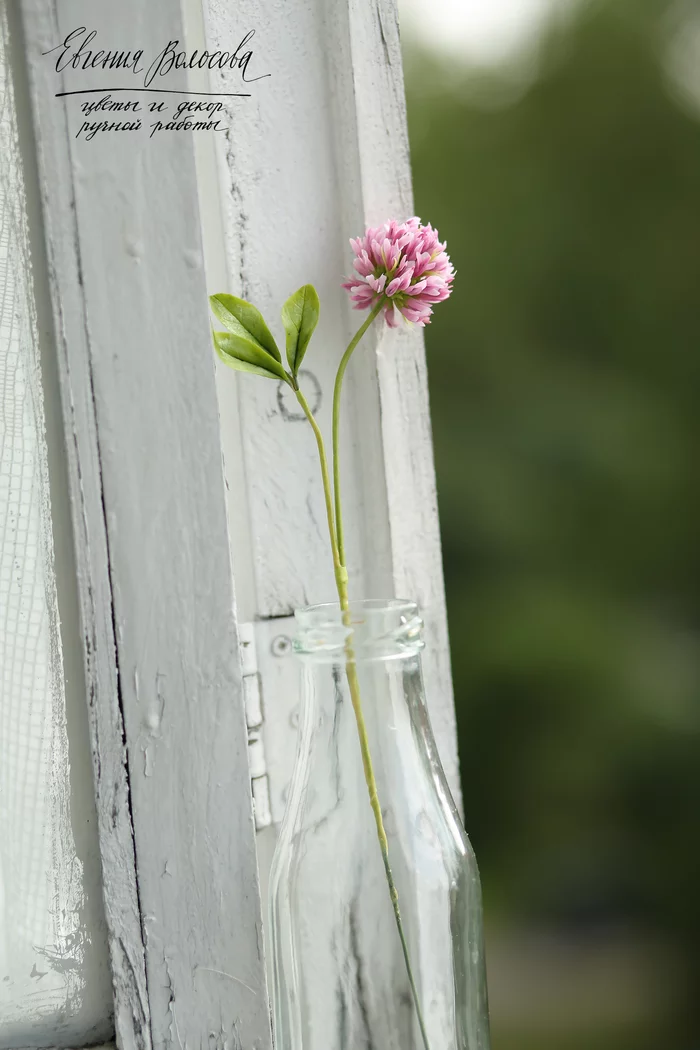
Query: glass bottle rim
{"type": "Point", "coordinates": [373, 628]}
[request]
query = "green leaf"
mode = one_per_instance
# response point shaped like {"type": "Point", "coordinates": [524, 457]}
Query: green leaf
{"type": "Point", "coordinates": [300, 317]}
{"type": "Point", "coordinates": [244, 319]}
{"type": "Point", "coordinates": [243, 354]}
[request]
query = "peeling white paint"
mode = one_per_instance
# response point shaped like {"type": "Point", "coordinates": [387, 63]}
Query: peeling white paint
{"type": "Point", "coordinates": [168, 729]}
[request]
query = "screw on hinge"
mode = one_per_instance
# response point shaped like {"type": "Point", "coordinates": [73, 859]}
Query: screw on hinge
{"type": "Point", "coordinates": [281, 645]}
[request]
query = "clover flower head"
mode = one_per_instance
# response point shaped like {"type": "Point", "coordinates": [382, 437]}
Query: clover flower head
{"type": "Point", "coordinates": [403, 265]}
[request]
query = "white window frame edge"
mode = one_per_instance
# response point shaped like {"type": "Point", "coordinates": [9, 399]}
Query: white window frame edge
{"type": "Point", "coordinates": [169, 777]}
{"type": "Point", "coordinates": [384, 187]}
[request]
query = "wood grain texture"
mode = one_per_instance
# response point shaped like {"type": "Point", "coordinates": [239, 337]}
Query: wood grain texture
{"type": "Point", "coordinates": [168, 729]}
{"type": "Point", "coordinates": [319, 151]}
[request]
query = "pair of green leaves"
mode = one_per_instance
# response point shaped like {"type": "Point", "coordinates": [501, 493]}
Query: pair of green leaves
{"type": "Point", "coordinates": [248, 344]}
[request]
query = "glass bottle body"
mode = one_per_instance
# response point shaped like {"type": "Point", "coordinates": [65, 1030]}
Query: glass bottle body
{"type": "Point", "coordinates": [340, 980]}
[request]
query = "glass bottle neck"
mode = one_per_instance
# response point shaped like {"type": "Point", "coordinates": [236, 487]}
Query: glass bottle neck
{"type": "Point", "coordinates": [369, 630]}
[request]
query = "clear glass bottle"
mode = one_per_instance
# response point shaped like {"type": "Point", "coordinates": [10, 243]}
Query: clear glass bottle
{"type": "Point", "coordinates": [340, 980]}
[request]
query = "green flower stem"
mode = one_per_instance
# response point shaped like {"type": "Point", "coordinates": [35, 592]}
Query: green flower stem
{"type": "Point", "coordinates": [370, 780]}
{"type": "Point", "coordinates": [335, 528]}
{"type": "Point", "coordinates": [341, 575]}
{"type": "Point", "coordinates": [336, 423]}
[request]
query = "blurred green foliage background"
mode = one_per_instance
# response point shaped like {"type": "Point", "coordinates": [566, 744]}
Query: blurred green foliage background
{"type": "Point", "coordinates": [565, 391]}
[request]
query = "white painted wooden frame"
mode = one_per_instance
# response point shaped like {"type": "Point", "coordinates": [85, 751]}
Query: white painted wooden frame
{"type": "Point", "coordinates": [320, 151]}
{"type": "Point", "coordinates": [130, 323]}
{"type": "Point", "coordinates": [317, 152]}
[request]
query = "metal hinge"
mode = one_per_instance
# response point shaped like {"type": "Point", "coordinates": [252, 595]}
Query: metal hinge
{"type": "Point", "coordinates": [271, 691]}
{"type": "Point", "coordinates": [252, 696]}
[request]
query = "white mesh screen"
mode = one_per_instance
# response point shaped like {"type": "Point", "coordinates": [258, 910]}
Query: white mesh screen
{"type": "Point", "coordinates": [43, 938]}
